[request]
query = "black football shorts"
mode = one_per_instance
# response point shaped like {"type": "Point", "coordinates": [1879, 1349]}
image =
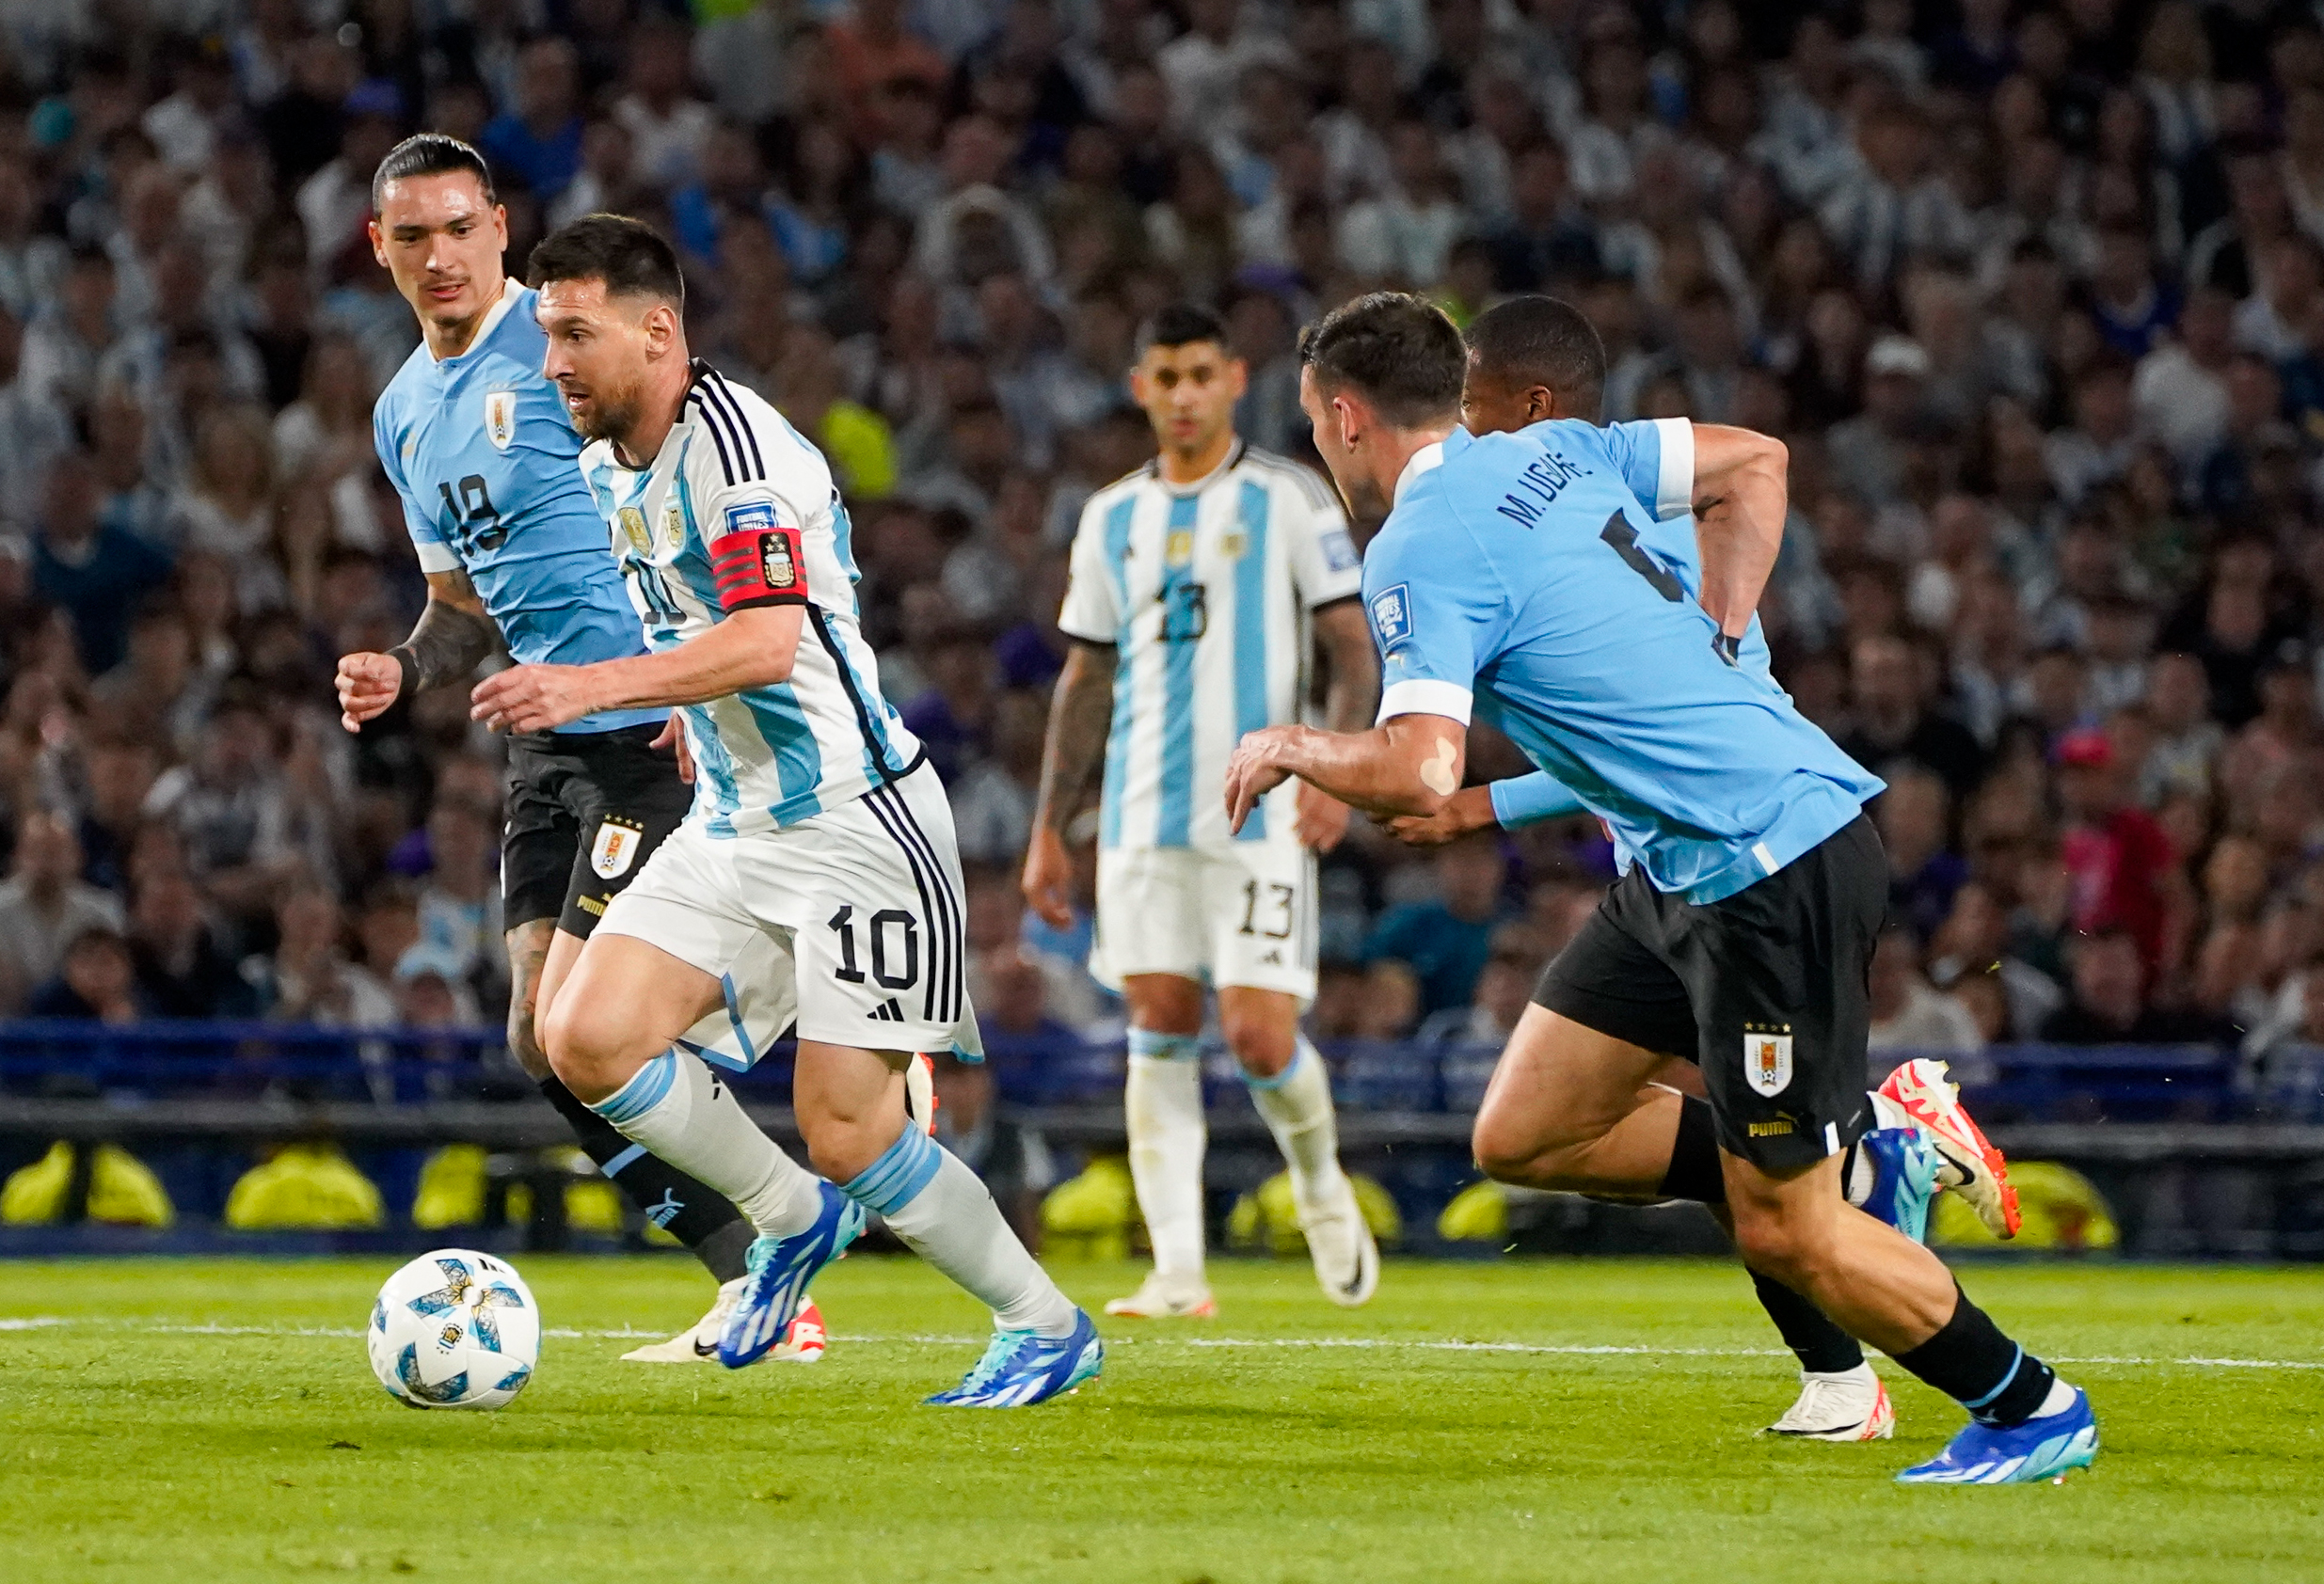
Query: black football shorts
{"type": "Point", "coordinates": [585, 809]}
{"type": "Point", "coordinates": [1767, 990]}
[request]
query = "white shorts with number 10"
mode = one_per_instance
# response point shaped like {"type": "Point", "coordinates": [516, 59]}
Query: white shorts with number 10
{"type": "Point", "coordinates": [852, 921]}
{"type": "Point", "coordinates": [1241, 914]}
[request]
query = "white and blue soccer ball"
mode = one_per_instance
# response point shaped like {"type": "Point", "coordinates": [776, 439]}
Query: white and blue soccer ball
{"type": "Point", "coordinates": [454, 1329]}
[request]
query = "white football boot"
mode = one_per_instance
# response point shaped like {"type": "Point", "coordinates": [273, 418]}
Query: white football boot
{"type": "Point", "coordinates": [1852, 1405]}
{"type": "Point", "coordinates": [1158, 1298]}
{"type": "Point", "coordinates": [803, 1343]}
{"type": "Point", "coordinates": [1973, 1167]}
{"type": "Point", "coordinates": [1347, 1260]}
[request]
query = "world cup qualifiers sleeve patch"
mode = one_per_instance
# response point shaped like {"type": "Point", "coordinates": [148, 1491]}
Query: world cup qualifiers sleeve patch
{"type": "Point", "coordinates": [1339, 551]}
{"type": "Point", "coordinates": [1392, 616]}
{"type": "Point", "coordinates": [757, 560]}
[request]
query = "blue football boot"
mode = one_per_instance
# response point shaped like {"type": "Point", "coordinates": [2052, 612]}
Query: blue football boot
{"type": "Point", "coordinates": [1022, 1367]}
{"type": "Point", "coordinates": [780, 1271]}
{"type": "Point", "coordinates": [2019, 1454]}
{"type": "Point", "coordinates": [1903, 1164]}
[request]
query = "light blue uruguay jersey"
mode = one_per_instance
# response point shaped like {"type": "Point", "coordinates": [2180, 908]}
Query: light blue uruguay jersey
{"type": "Point", "coordinates": [737, 510]}
{"type": "Point", "coordinates": [1514, 579]}
{"type": "Point", "coordinates": [1667, 469]}
{"type": "Point", "coordinates": [483, 453]}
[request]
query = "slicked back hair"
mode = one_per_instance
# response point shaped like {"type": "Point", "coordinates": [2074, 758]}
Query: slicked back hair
{"type": "Point", "coordinates": [1541, 340]}
{"type": "Point", "coordinates": [431, 154]}
{"type": "Point", "coordinates": [1180, 324]}
{"type": "Point", "coordinates": [1397, 350]}
{"type": "Point", "coordinates": [627, 254]}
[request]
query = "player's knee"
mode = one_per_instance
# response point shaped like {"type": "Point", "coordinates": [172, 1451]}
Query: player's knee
{"type": "Point", "coordinates": [581, 1047]}
{"type": "Point", "coordinates": [1506, 1153]}
{"type": "Point", "coordinates": [1264, 1045]}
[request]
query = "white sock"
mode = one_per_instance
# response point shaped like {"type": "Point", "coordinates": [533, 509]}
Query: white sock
{"type": "Point", "coordinates": [946, 1216]}
{"type": "Point", "coordinates": [676, 1107]}
{"type": "Point", "coordinates": [2061, 1398]}
{"type": "Point", "coordinates": [1296, 1106]}
{"type": "Point", "coordinates": [1163, 1103]}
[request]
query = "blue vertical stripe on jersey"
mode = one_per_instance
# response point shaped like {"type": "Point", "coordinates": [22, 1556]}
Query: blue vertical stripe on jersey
{"type": "Point", "coordinates": [693, 562]}
{"type": "Point", "coordinates": [782, 722]}
{"type": "Point", "coordinates": [1251, 668]}
{"type": "Point", "coordinates": [712, 761]}
{"type": "Point", "coordinates": [1125, 689]}
{"type": "Point", "coordinates": [1176, 820]}
{"type": "Point", "coordinates": [843, 539]}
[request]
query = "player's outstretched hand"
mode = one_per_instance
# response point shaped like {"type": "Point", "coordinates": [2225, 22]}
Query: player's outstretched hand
{"type": "Point", "coordinates": [1252, 772]}
{"type": "Point", "coordinates": [1321, 822]}
{"type": "Point", "coordinates": [1469, 809]}
{"type": "Point", "coordinates": [368, 683]}
{"type": "Point", "coordinates": [1049, 876]}
{"type": "Point", "coordinates": [531, 699]}
{"type": "Point", "coordinates": [673, 737]}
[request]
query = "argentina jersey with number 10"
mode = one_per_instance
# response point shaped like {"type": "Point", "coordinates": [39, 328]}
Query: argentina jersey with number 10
{"type": "Point", "coordinates": [485, 458]}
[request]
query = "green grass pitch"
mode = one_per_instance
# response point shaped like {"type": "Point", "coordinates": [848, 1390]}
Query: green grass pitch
{"type": "Point", "coordinates": [215, 1421]}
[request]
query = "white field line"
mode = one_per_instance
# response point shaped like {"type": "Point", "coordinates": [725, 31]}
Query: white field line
{"type": "Point", "coordinates": [1568, 1349]}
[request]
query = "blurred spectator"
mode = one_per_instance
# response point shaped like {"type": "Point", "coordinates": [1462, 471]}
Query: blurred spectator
{"type": "Point", "coordinates": [459, 904]}
{"type": "Point", "coordinates": [182, 968]}
{"type": "Point", "coordinates": [1446, 940]}
{"type": "Point", "coordinates": [2124, 875]}
{"type": "Point", "coordinates": [1910, 1019]}
{"type": "Point", "coordinates": [1915, 817]}
{"type": "Point", "coordinates": [91, 569]}
{"type": "Point", "coordinates": [2109, 1006]}
{"type": "Point", "coordinates": [1893, 721]}
{"type": "Point", "coordinates": [309, 979]}
{"type": "Point", "coordinates": [44, 905]}
{"type": "Point", "coordinates": [1389, 1004]}
{"type": "Point", "coordinates": [1503, 990]}
{"type": "Point", "coordinates": [93, 980]}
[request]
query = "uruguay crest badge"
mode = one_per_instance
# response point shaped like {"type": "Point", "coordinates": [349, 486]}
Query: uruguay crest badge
{"type": "Point", "coordinates": [499, 417]}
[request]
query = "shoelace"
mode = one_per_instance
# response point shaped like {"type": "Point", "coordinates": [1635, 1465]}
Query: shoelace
{"type": "Point", "coordinates": [997, 1352]}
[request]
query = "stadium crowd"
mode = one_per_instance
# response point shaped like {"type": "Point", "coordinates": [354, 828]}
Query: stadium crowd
{"type": "Point", "coordinates": [2036, 295]}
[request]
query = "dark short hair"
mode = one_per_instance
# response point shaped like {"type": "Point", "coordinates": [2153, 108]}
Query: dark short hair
{"type": "Point", "coordinates": [627, 254]}
{"type": "Point", "coordinates": [431, 154]}
{"type": "Point", "coordinates": [1398, 350]}
{"type": "Point", "coordinates": [1533, 340]}
{"type": "Point", "coordinates": [1179, 325]}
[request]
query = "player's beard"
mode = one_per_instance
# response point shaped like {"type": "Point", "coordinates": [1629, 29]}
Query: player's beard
{"type": "Point", "coordinates": [612, 414]}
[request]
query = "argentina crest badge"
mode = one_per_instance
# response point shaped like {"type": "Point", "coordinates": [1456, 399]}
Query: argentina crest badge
{"type": "Point", "coordinates": [1767, 1059]}
{"type": "Point", "coordinates": [499, 417]}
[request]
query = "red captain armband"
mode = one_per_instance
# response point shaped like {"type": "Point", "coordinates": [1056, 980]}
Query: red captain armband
{"type": "Point", "coordinates": [757, 561]}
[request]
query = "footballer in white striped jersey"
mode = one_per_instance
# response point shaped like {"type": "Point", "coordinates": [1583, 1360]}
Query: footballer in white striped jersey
{"type": "Point", "coordinates": [1205, 588]}
{"type": "Point", "coordinates": [817, 874]}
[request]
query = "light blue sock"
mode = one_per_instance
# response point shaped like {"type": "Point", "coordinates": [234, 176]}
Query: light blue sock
{"type": "Point", "coordinates": [946, 1216]}
{"type": "Point", "coordinates": [1296, 1104]}
{"type": "Point", "coordinates": [676, 1109]}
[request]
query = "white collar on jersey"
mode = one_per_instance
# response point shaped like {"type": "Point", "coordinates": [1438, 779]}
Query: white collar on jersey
{"type": "Point", "coordinates": [510, 286]}
{"type": "Point", "coordinates": [1226, 466]}
{"type": "Point", "coordinates": [1427, 459]}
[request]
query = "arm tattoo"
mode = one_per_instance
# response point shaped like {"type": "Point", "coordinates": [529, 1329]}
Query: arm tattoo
{"type": "Point", "coordinates": [451, 638]}
{"type": "Point", "coordinates": [1080, 716]}
{"type": "Point", "coordinates": [1351, 664]}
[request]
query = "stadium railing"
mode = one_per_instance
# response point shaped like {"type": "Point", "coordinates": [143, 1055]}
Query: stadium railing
{"type": "Point", "coordinates": [2165, 1124]}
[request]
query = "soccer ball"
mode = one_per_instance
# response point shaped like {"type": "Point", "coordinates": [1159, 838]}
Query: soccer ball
{"type": "Point", "coordinates": [454, 1329]}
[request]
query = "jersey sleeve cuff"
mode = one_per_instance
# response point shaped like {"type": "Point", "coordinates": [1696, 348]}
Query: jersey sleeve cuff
{"type": "Point", "coordinates": [1674, 484]}
{"type": "Point", "coordinates": [435, 556]}
{"type": "Point", "coordinates": [1425, 696]}
{"type": "Point", "coordinates": [1087, 633]}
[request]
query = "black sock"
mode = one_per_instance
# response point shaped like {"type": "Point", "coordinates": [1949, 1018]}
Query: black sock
{"type": "Point", "coordinates": [1694, 1172]}
{"type": "Point", "coordinates": [1823, 1347]}
{"type": "Point", "coordinates": [1971, 1362]}
{"type": "Point", "coordinates": [695, 1214]}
